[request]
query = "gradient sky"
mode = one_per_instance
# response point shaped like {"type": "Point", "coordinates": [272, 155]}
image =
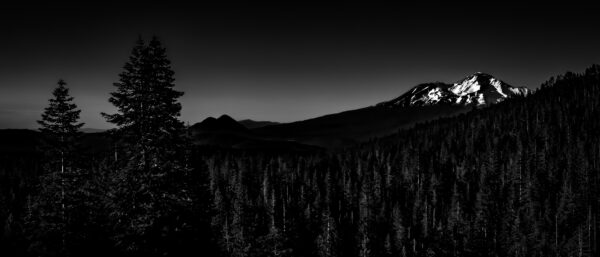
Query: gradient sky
{"type": "Point", "coordinates": [282, 63]}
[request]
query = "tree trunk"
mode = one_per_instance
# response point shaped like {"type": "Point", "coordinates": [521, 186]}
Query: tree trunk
{"type": "Point", "coordinates": [556, 234]}
{"type": "Point", "coordinates": [62, 200]}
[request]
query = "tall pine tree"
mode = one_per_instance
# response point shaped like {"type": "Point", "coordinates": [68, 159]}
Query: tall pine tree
{"type": "Point", "coordinates": [151, 201]}
{"type": "Point", "coordinates": [60, 124]}
{"type": "Point", "coordinates": [55, 207]}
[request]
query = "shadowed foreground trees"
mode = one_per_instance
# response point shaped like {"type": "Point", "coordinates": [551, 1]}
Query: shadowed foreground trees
{"type": "Point", "coordinates": [141, 199]}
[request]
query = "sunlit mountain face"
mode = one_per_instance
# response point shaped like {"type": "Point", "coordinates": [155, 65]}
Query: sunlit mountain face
{"type": "Point", "coordinates": [477, 89]}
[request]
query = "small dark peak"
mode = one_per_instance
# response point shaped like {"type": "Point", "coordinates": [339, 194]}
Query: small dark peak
{"type": "Point", "coordinates": [227, 122]}
{"type": "Point", "coordinates": [206, 124]}
{"type": "Point", "coordinates": [210, 119]}
{"type": "Point", "coordinates": [226, 118]}
{"type": "Point", "coordinates": [223, 124]}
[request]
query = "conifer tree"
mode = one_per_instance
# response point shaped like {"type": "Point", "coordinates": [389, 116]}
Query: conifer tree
{"type": "Point", "coordinates": [60, 124]}
{"type": "Point", "coordinates": [58, 197]}
{"type": "Point", "coordinates": [327, 239]}
{"type": "Point", "coordinates": [151, 201]}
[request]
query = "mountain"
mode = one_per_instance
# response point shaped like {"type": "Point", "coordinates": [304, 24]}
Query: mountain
{"type": "Point", "coordinates": [225, 132]}
{"type": "Point", "coordinates": [252, 124]}
{"type": "Point", "coordinates": [221, 124]}
{"type": "Point", "coordinates": [479, 89]}
{"type": "Point", "coordinates": [424, 102]}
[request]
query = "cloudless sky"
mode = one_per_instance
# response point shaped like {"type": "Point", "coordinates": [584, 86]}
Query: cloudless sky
{"type": "Point", "coordinates": [282, 63]}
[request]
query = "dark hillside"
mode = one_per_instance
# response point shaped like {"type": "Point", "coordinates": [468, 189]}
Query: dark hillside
{"type": "Point", "coordinates": [519, 178]}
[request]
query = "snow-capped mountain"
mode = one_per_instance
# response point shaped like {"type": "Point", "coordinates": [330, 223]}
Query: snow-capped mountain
{"type": "Point", "coordinates": [477, 89]}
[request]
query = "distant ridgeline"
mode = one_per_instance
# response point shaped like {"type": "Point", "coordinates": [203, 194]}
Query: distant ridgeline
{"type": "Point", "coordinates": [517, 178]}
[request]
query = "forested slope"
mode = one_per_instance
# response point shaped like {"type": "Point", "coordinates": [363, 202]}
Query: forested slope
{"type": "Point", "coordinates": [516, 179]}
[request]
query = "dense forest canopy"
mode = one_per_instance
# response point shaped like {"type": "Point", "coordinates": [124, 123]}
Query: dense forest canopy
{"type": "Point", "coordinates": [519, 178]}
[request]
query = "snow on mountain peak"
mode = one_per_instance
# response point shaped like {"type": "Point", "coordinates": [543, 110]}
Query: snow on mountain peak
{"type": "Point", "coordinates": [477, 89]}
{"type": "Point", "coordinates": [466, 86]}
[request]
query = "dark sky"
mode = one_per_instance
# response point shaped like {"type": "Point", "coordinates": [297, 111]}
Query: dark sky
{"type": "Point", "coordinates": [282, 63]}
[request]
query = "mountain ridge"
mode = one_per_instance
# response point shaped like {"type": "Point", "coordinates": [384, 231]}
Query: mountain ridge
{"type": "Point", "coordinates": [478, 89]}
{"type": "Point", "coordinates": [424, 102]}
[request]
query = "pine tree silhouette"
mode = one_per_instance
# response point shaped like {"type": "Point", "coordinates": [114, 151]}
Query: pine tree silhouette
{"type": "Point", "coordinates": [151, 200]}
{"type": "Point", "coordinates": [57, 198]}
